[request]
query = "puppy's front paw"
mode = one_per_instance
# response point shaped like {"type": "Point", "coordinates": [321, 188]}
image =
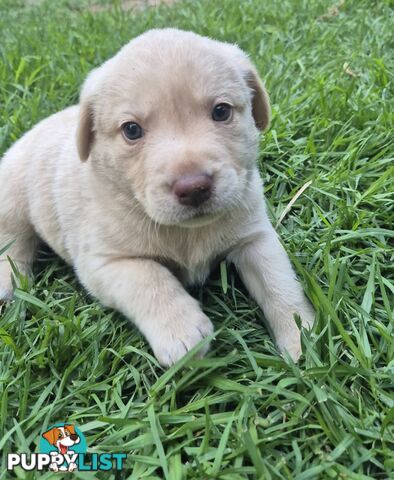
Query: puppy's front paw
{"type": "Point", "coordinates": [5, 295]}
{"type": "Point", "coordinates": [72, 466]}
{"type": "Point", "coordinates": [307, 315]}
{"type": "Point", "coordinates": [290, 339]}
{"type": "Point", "coordinates": [5, 282]}
{"type": "Point", "coordinates": [54, 467]}
{"type": "Point", "coordinates": [291, 344]}
{"type": "Point", "coordinates": [174, 339]}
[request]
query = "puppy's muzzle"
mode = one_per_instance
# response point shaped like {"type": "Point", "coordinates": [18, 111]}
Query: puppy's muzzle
{"type": "Point", "coordinates": [193, 190]}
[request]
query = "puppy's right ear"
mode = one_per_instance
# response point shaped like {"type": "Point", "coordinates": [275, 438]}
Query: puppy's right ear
{"type": "Point", "coordinates": [261, 109]}
{"type": "Point", "coordinates": [70, 428]}
{"type": "Point", "coordinates": [85, 130]}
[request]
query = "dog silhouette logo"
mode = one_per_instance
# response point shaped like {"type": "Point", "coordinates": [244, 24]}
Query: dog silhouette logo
{"type": "Point", "coordinates": [63, 448]}
{"type": "Point", "coordinates": [66, 440]}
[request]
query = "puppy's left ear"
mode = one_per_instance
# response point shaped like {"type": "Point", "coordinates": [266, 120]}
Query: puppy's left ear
{"type": "Point", "coordinates": [50, 436]}
{"type": "Point", "coordinates": [85, 130]}
{"type": "Point", "coordinates": [261, 109]}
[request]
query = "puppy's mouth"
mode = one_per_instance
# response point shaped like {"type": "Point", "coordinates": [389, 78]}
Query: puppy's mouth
{"type": "Point", "coordinates": [189, 216]}
{"type": "Point", "coordinates": [200, 220]}
{"type": "Point", "coordinates": [63, 448]}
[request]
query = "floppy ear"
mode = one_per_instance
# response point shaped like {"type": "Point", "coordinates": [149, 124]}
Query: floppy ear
{"type": "Point", "coordinates": [261, 109]}
{"type": "Point", "coordinates": [50, 436]}
{"type": "Point", "coordinates": [70, 428]}
{"type": "Point", "coordinates": [85, 129]}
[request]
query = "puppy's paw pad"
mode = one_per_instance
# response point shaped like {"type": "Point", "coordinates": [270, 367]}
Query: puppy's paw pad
{"type": "Point", "coordinates": [174, 342]}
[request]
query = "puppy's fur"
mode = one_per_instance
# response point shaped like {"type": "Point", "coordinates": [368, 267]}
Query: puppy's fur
{"type": "Point", "coordinates": [106, 205]}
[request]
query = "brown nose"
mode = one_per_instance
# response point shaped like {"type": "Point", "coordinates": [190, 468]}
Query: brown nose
{"type": "Point", "coordinates": [74, 436]}
{"type": "Point", "coordinates": [193, 190]}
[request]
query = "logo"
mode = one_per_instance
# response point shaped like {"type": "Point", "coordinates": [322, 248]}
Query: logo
{"type": "Point", "coordinates": [63, 448]}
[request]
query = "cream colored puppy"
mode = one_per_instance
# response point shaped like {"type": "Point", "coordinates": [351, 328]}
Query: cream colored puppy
{"type": "Point", "coordinates": [147, 183]}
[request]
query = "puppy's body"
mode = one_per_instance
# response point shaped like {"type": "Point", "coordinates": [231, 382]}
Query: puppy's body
{"type": "Point", "coordinates": [70, 194]}
{"type": "Point", "coordinates": [116, 218]}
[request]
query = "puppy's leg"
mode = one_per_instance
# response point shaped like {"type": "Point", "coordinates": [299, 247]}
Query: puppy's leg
{"type": "Point", "coordinates": [149, 295]}
{"type": "Point", "coordinates": [15, 229]}
{"type": "Point", "coordinates": [21, 251]}
{"type": "Point", "coordinates": [268, 275]}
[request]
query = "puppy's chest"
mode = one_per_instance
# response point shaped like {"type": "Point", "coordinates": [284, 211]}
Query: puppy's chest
{"type": "Point", "coordinates": [189, 253]}
{"type": "Point", "coordinates": [191, 257]}
{"type": "Point", "coordinates": [195, 274]}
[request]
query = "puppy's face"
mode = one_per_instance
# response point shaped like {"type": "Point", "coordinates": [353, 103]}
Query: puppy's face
{"type": "Point", "coordinates": [62, 437]}
{"type": "Point", "coordinates": [174, 125]}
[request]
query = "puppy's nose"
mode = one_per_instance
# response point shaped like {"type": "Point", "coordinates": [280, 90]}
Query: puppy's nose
{"type": "Point", "coordinates": [193, 190]}
{"type": "Point", "coordinates": [74, 437]}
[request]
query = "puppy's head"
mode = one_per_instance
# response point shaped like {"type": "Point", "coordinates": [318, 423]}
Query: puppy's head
{"type": "Point", "coordinates": [62, 437]}
{"type": "Point", "coordinates": [172, 120]}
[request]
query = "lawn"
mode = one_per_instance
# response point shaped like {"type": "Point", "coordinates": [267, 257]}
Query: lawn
{"type": "Point", "coordinates": [243, 411]}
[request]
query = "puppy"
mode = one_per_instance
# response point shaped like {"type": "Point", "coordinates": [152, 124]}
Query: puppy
{"type": "Point", "coordinates": [147, 183]}
{"type": "Point", "coordinates": [62, 438]}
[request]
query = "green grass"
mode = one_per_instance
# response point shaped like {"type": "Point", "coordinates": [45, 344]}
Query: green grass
{"type": "Point", "coordinates": [243, 411]}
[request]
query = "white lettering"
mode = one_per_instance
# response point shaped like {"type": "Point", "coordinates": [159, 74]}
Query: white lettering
{"type": "Point", "coordinates": [43, 460]}
{"type": "Point", "coordinates": [13, 459]}
{"type": "Point", "coordinates": [71, 458]}
{"type": "Point", "coordinates": [57, 458]}
{"type": "Point", "coordinates": [24, 463]}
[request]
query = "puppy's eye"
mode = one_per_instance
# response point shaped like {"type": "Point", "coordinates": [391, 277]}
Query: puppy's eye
{"type": "Point", "coordinates": [132, 131]}
{"type": "Point", "coordinates": [222, 112]}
